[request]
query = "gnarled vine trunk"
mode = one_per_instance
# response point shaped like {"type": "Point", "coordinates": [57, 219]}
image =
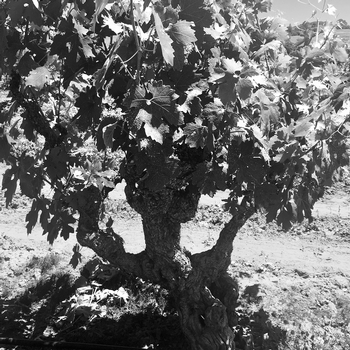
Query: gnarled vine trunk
{"type": "Point", "coordinates": [205, 295]}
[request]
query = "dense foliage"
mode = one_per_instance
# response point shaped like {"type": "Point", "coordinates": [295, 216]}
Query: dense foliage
{"type": "Point", "coordinates": [244, 104]}
{"type": "Point", "coordinates": [173, 96]}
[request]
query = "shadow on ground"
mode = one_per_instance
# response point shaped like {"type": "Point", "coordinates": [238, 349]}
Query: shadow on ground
{"type": "Point", "coordinates": [29, 315]}
{"type": "Point", "coordinates": [255, 330]}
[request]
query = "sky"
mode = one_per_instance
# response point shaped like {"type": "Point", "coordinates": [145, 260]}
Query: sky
{"type": "Point", "coordinates": [301, 10]}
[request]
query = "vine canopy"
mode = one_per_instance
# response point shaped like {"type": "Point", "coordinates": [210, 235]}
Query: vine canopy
{"type": "Point", "coordinates": [183, 94]}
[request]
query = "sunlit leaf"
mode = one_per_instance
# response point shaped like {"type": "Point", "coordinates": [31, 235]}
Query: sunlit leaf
{"type": "Point", "coordinates": [340, 54]}
{"type": "Point", "coordinates": [99, 7]}
{"type": "Point", "coordinates": [231, 65]}
{"type": "Point", "coordinates": [117, 28]}
{"type": "Point", "coordinates": [273, 45]}
{"type": "Point", "coordinates": [164, 39]}
{"type": "Point", "coordinates": [331, 10]}
{"type": "Point", "coordinates": [160, 103]}
{"type": "Point", "coordinates": [182, 33]}
{"type": "Point", "coordinates": [85, 41]}
{"type": "Point", "coordinates": [38, 78]}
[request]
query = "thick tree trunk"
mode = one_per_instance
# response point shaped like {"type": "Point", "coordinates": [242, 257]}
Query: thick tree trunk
{"type": "Point", "coordinates": [208, 301]}
{"type": "Point", "coordinates": [207, 319]}
{"type": "Point", "coordinates": [204, 293]}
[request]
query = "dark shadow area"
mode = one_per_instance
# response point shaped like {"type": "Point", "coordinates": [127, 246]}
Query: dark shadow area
{"type": "Point", "coordinates": [135, 330]}
{"type": "Point", "coordinates": [255, 330]}
{"type": "Point", "coordinates": [148, 318]}
{"type": "Point", "coordinates": [27, 316]}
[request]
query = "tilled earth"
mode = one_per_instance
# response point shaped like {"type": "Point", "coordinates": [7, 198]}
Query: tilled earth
{"type": "Point", "coordinates": [295, 286]}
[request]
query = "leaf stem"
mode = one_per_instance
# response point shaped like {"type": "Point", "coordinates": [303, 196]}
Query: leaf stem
{"type": "Point", "coordinates": [326, 39]}
{"type": "Point", "coordinates": [137, 42]}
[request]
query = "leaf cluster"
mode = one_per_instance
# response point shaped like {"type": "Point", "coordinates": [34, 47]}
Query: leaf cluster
{"type": "Point", "coordinates": [193, 95]}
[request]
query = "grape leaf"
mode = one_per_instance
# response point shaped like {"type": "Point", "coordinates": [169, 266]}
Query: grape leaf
{"type": "Point", "coordinates": [217, 31]}
{"type": "Point", "coordinates": [59, 45]}
{"type": "Point", "coordinates": [53, 9]}
{"type": "Point", "coordinates": [30, 184]}
{"type": "Point", "coordinates": [191, 95]}
{"type": "Point", "coordinates": [244, 88]}
{"type": "Point", "coordinates": [5, 147]}
{"type": "Point", "coordinates": [156, 134]}
{"type": "Point", "coordinates": [269, 113]}
{"type": "Point", "coordinates": [340, 54]}
{"type": "Point", "coordinates": [9, 183]}
{"type": "Point", "coordinates": [163, 103]}
{"type": "Point", "coordinates": [179, 56]}
{"type": "Point", "coordinates": [24, 8]}
{"type": "Point", "coordinates": [182, 33]}
{"type": "Point", "coordinates": [146, 4]}
{"type": "Point", "coordinates": [314, 53]}
{"type": "Point", "coordinates": [156, 131]}
{"type": "Point", "coordinates": [231, 66]}
{"type": "Point", "coordinates": [38, 78]}
{"type": "Point", "coordinates": [287, 153]}
{"type": "Point", "coordinates": [85, 41]}
{"type": "Point", "coordinates": [52, 229]}
{"type": "Point", "coordinates": [99, 7]}
{"type": "Point", "coordinates": [32, 216]}
{"type": "Point", "coordinates": [227, 92]}
{"type": "Point", "coordinates": [45, 213]}
{"type": "Point", "coordinates": [26, 64]}
{"type": "Point", "coordinates": [38, 204]}
{"type": "Point", "coordinates": [27, 127]}
{"type": "Point", "coordinates": [59, 225]}
{"type": "Point", "coordinates": [57, 164]}
{"type": "Point", "coordinates": [195, 134]}
{"type": "Point", "coordinates": [67, 229]}
{"type": "Point", "coordinates": [209, 178]}
{"type": "Point", "coordinates": [159, 102]}
{"type": "Point", "coordinates": [195, 11]}
{"type": "Point", "coordinates": [167, 13]}
{"type": "Point", "coordinates": [109, 22]}
{"type": "Point", "coordinates": [184, 79]}
{"type": "Point", "coordinates": [76, 257]}
{"type": "Point", "coordinates": [273, 45]}
{"type": "Point", "coordinates": [302, 128]}
{"type": "Point", "coordinates": [90, 108]}
{"type": "Point", "coordinates": [108, 132]}
{"type": "Point", "coordinates": [214, 111]}
{"type": "Point", "coordinates": [164, 39]}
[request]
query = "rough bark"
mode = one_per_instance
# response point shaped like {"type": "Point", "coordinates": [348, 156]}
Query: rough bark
{"type": "Point", "coordinates": [105, 242]}
{"type": "Point", "coordinates": [208, 301]}
{"type": "Point", "coordinates": [205, 295]}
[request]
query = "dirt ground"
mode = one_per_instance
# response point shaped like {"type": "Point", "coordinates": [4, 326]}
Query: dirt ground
{"type": "Point", "coordinates": [295, 286]}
